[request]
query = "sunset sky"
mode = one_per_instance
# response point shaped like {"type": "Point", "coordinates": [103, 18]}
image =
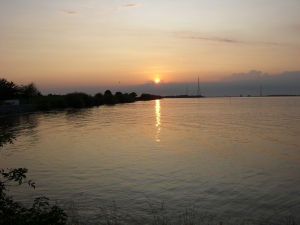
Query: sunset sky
{"type": "Point", "coordinates": [64, 45]}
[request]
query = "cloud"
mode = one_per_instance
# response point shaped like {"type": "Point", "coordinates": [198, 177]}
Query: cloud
{"type": "Point", "coordinates": [286, 83]}
{"type": "Point", "coordinates": [69, 12]}
{"type": "Point", "coordinates": [251, 75]}
{"type": "Point", "coordinates": [287, 77]}
{"type": "Point", "coordinates": [131, 5]}
{"type": "Point", "coordinates": [217, 39]}
{"type": "Point", "coordinates": [204, 38]}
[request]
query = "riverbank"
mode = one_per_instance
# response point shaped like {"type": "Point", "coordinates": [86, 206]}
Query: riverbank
{"type": "Point", "coordinates": [73, 100]}
{"type": "Point", "coordinates": [6, 110]}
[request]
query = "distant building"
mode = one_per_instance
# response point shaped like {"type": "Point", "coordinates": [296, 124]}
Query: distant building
{"type": "Point", "coordinates": [11, 102]}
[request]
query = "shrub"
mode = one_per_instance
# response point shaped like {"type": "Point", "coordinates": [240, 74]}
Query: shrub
{"type": "Point", "coordinates": [15, 213]}
{"type": "Point", "coordinates": [79, 100]}
{"type": "Point", "coordinates": [107, 92]}
{"type": "Point", "coordinates": [109, 99]}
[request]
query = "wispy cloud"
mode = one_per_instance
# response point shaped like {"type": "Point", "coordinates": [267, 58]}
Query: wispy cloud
{"type": "Point", "coordinates": [131, 5]}
{"type": "Point", "coordinates": [216, 39]}
{"type": "Point", "coordinates": [69, 12]}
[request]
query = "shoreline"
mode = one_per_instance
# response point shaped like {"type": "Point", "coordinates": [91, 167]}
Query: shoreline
{"type": "Point", "coordinates": [17, 109]}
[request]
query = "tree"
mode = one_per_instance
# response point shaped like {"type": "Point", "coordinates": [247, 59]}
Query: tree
{"type": "Point", "coordinates": [29, 90]}
{"type": "Point", "coordinates": [98, 95]}
{"type": "Point", "coordinates": [14, 212]}
{"type": "Point", "coordinates": [133, 94]}
{"type": "Point", "coordinates": [7, 89]}
{"type": "Point", "coordinates": [98, 99]}
{"type": "Point", "coordinates": [107, 92]}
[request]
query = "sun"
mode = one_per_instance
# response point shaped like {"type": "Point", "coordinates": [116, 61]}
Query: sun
{"type": "Point", "coordinates": [157, 80]}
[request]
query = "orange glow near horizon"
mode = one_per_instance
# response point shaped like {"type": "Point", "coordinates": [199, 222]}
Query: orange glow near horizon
{"type": "Point", "coordinates": [63, 45]}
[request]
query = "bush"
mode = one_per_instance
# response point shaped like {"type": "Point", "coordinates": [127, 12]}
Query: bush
{"type": "Point", "coordinates": [44, 106]}
{"type": "Point", "coordinates": [79, 100]}
{"type": "Point", "coordinates": [107, 92]}
{"type": "Point", "coordinates": [15, 213]}
{"type": "Point", "coordinates": [110, 99]}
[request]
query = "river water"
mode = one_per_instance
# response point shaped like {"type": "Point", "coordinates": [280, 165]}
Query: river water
{"type": "Point", "coordinates": [236, 157]}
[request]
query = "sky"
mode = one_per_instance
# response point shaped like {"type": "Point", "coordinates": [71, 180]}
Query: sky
{"type": "Point", "coordinates": [233, 46]}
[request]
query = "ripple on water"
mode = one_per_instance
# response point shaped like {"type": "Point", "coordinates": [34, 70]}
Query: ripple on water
{"type": "Point", "coordinates": [233, 156]}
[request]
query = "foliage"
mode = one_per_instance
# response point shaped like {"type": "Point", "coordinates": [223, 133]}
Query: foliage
{"type": "Point", "coordinates": [49, 102]}
{"type": "Point", "coordinates": [98, 95]}
{"type": "Point", "coordinates": [12, 212]}
{"type": "Point", "coordinates": [79, 100]}
{"type": "Point", "coordinates": [15, 213]}
{"type": "Point", "coordinates": [107, 92]}
{"type": "Point", "coordinates": [148, 97]}
{"type": "Point", "coordinates": [28, 91]}
{"type": "Point", "coordinates": [119, 95]}
{"type": "Point", "coordinates": [44, 106]}
{"type": "Point", "coordinates": [110, 99]}
{"type": "Point", "coordinates": [71, 100]}
{"type": "Point", "coordinates": [8, 89]}
{"type": "Point", "coordinates": [98, 99]}
{"type": "Point", "coordinates": [133, 94]}
{"type": "Point", "coordinates": [156, 213]}
{"type": "Point", "coordinates": [6, 137]}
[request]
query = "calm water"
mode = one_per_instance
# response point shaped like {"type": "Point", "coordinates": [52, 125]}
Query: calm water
{"type": "Point", "coordinates": [227, 156]}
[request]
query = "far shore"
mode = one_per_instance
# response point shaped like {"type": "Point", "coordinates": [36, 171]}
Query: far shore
{"type": "Point", "coordinates": [77, 101]}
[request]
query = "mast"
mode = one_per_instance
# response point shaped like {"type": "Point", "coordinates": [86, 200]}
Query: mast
{"type": "Point", "coordinates": [198, 90]}
{"type": "Point", "coordinates": [260, 91]}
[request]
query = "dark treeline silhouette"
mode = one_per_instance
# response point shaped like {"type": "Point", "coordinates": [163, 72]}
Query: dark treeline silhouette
{"type": "Point", "coordinates": [82, 100]}
{"type": "Point", "coordinates": [9, 90]}
{"type": "Point", "coordinates": [148, 97]}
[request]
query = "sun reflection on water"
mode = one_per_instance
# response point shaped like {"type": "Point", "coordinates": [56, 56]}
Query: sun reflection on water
{"type": "Point", "coordinates": [157, 113]}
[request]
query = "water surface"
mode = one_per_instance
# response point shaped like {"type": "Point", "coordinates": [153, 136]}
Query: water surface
{"type": "Point", "coordinates": [227, 156]}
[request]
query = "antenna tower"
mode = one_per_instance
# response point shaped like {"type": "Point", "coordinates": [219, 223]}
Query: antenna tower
{"type": "Point", "coordinates": [198, 90]}
{"type": "Point", "coordinates": [260, 91]}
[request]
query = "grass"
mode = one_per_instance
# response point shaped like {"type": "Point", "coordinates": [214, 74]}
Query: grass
{"type": "Point", "coordinates": [157, 214]}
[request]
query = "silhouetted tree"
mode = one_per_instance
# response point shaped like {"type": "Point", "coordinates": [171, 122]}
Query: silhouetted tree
{"type": "Point", "coordinates": [79, 100]}
{"type": "Point", "coordinates": [128, 98]}
{"type": "Point", "coordinates": [147, 97]}
{"type": "Point", "coordinates": [133, 94]}
{"type": "Point", "coordinates": [29, 90]}
{"type": "Point", "coordinates": [107, 92]}
{"type": "Point", "coordinates": [120, 97]}
{"type": "Point", "coordinates": [98, 95]}
{"type": "Point", "coordinates": [98, 99]}
{"type": "Point", "coordinates": [7, 89]}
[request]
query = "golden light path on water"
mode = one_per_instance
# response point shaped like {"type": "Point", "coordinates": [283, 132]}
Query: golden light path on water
{"type": "Point", "coordinates": [234, 157]}
{"type": "Point", "coordinates": [157, 113]}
